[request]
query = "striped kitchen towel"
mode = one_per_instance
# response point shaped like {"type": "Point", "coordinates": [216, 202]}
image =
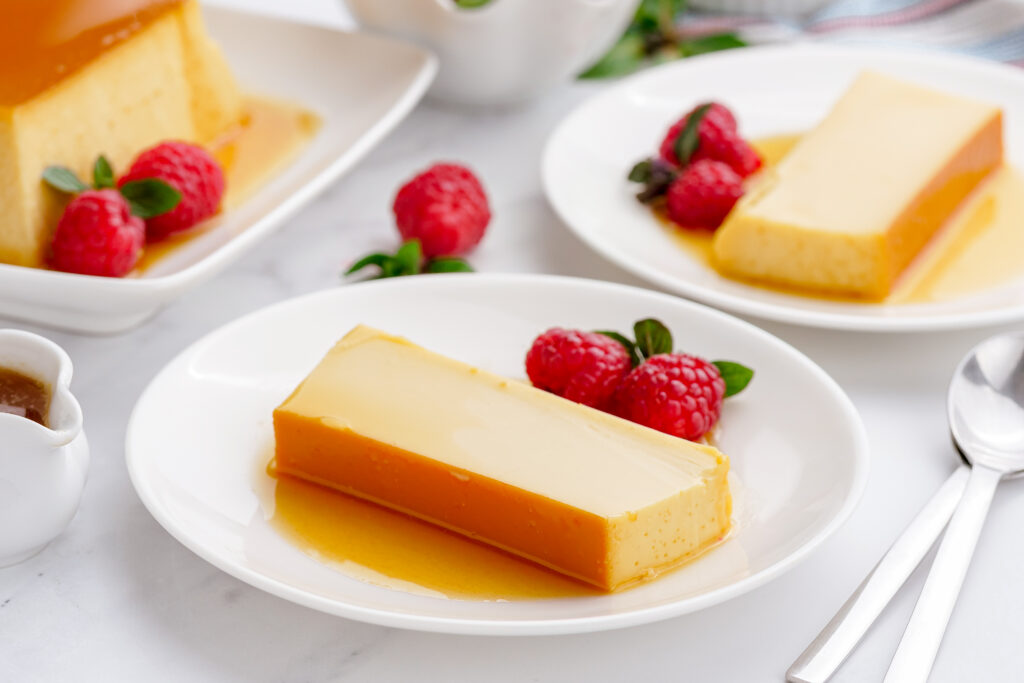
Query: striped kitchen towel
{"type": "Point", "coordinates": [984, 28]}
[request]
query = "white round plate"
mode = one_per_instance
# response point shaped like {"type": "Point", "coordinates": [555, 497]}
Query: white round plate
{"type": "Point", "coordinates": [773, 90]}
{"type": "Point", "coordinates": [201, 434]}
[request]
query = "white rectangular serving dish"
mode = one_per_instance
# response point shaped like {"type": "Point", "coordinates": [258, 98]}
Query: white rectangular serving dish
{"type": "Point", "coordinates": [361, 86]}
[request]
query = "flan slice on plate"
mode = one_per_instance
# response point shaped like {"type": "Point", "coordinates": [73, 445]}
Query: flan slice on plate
{"type": "Point", "coordinates": [858, 197]}
{"type": "Point", "coordinates": [590, 495]}
{"type": "Point", "coordinates": [79, 78]}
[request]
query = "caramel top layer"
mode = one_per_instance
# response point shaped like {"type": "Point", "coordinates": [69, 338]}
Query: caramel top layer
{"type": "Point", "coordinates": [45, 41]}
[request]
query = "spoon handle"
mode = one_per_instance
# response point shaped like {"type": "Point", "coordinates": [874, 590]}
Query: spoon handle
{"type": "Point", "coordinates": [915, 655]}
{"type": "Point", "coordinates": [838, 639]}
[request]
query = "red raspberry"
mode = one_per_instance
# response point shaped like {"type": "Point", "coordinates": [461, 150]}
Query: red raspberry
{"type": "Point", "coordinates": [189, 169]}
{"type": "Point", "coordinates": [674, 393]}
{"type": "Point", "coordinates": [719, 140]}
{"type": "Point", "coordinates": [733, 151]}
{"type": "Point", "coordinates": [445, 208]}
{"type": "Point", "coordinates": [717, 120]}
{"type": "Point", "coordinates": [97, 235]}
{"type": "Point", "coordinates": [585, 367]}
{"type": "Point", "coordinates": [703, 194]}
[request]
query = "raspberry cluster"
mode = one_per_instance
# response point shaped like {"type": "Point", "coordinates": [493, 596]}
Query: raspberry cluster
{"type": "Point", "coordinates": [700, 168]}
{"type": "Point", "coordinates": [169, 188]}
{"type": "Point", "coordinates": [643, 381]}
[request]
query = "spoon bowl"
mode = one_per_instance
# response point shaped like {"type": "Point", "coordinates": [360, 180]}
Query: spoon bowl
{"type": "Point", "coordinates": [986, 417]}
{"type": "Point", "coordinates": [986, 404]}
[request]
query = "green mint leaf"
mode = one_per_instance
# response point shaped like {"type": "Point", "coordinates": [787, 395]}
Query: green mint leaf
{"type": "Point", "coordinates": [668, 11]}
{"type": "Point", "coordinates": [409, 258]}
{"type": "Point", "coordinates": [712, 43]}
{"type": "Point", "coordinates": [369, 260]}
{"type": "Point", "coordinates": [447, 265]}
{"type": "Point", "coordinates": [658, 15]}
{"type": "Point", "coordinates": [647, 15]}
{"type": "Point", "coordinates": [625, 57]}
{"type": "Point", "coordinates": [390, 268]}
{"type": "Point", "coordinates": [689, 137]}
{"type": "Point", "coordinates": [150, 197]}
{"type": "Point", "coordinates": [652, 337]}
{"type": "Point", "coordinates": [102, 173]}
{"type": "Point", "coordinates": [634, 352]}
{"type": "Point", "coordinates": [641, 172]}
{"type": "Point", "coordinates": [653, 37]}
{"type": "Point", "coordinates": [736, 376]}
{"type": "Point", "coordinates": [660, 175]}
{"type": "Point", "coordinates": [470, 4]}
{"type": "Point", "coordinates": [63, 179]}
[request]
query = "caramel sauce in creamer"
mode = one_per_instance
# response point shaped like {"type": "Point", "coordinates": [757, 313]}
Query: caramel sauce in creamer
{"type": "Point", "coordinates": [24, 396]}
{"type": "Point", "coordinates": [980, 247]}
{"type": "Point", "coordinates": [44, 41]}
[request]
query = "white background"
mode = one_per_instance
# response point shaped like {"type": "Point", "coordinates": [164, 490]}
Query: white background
{"type": "Point", "coordinates": [116, 598]}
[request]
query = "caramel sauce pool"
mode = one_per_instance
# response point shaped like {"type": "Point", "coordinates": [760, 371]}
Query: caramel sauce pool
{"type": "Point", "coordinates": [24, 396]}
{"type": "Point", "coordinates": [374, 544]}
{"type": "Point", "coordinates": [270, 135]}
{"type": "Point", "coordinates": [377, 545]}
{"type": "Point", "coordinates": [980, 247]}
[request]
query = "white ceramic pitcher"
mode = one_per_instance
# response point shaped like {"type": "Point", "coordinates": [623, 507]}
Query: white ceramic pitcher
{"type": "Point", "coordinates": [507, 51]}
{"type": "Point", "coordinates": [42, 469]}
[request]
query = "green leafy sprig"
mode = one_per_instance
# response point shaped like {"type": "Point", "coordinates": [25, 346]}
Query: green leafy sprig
{"type": "Point", "coordinates": [655, 174]}
{"type": "Point", "coordinates": [653, 37]}
{"type": "Point", "coordinates": [408, 260]}
{"type": "Point", "coordinates": [689, 137]}
{"type": "Point", "coordinates": [651, 337]}
{"type": "Point", "coordinates": [146, 198]}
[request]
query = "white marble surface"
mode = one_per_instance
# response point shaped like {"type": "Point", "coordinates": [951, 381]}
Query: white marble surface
{"type": "Point", "coordinates": [116, 598]}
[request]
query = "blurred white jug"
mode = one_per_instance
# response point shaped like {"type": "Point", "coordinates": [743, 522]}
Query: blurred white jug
{"type": "Point", "coordinates": [506, 51]}
{"type": "Point", "coordinates": [42, 468]}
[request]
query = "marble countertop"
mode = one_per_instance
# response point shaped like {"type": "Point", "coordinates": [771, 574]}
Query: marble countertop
{"type": "Point", "coordinates": [116, 598]}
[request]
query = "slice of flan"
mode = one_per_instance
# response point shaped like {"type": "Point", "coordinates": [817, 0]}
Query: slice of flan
{"type": "Point", "coordinates": [80, 78]}
{"type": "Point", "coordinates": [858, 197]}
{"type": "Point", "coordinates": [590, 495]}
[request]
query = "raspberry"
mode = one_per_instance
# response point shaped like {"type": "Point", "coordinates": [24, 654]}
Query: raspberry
{"type": "Point", "coordinates": [703, 194]}
{"type": "Point", "coordinates": [189, 169]}
{"type": "Point", "coordinates": [719, 140]}
{"type": "Point", "coordinates": [97, 235]}
{"type": "Point", "coordinates": [717, 121]}
{"type": "Point", "coordinates": [445, 208]}
{"type": "Point", "coordinates": [581, 366]}
{"type": "Point", "coordinates": [674, 393]}
{"type": "Point", "coordinates": [733, 151]}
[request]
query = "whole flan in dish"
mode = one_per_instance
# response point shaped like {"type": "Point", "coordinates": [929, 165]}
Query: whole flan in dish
{"type": "Point", "coordinates": [855, 201]}
{"type": "Point", "coordinates": [580, 491]}
{"type": "Point", "coordinates": [80, 78]}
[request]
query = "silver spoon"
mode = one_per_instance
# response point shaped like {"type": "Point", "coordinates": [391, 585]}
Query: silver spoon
{"type": "Point", "coordinates": [837, 640]}
{"type": "Point", "coordinates": [986, 416]}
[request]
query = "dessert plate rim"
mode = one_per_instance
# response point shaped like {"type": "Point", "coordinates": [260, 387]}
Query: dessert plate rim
{"type": "Point", "coordinates": [799, 60]}
{"type": "Point", "coordinates": [149, 460]}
